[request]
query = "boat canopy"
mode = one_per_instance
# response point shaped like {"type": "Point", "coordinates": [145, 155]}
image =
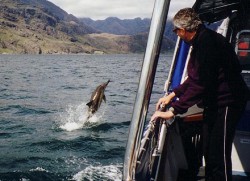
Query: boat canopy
{"type": "Point", "coordinates": [215, 10]}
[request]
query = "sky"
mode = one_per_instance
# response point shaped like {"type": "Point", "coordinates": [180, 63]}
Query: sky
{"type": "Point", "coordinates": [123, 9]}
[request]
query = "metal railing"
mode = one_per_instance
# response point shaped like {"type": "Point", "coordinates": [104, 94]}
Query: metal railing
{"type": "Point", "coordinates": [150, 62]}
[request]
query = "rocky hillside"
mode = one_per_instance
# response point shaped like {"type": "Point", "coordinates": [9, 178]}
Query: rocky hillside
{"type": "Point", "coordinates": [40, 27]}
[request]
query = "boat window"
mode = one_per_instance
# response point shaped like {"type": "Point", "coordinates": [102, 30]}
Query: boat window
{"type": "Point", "coordinates": [243, 48]}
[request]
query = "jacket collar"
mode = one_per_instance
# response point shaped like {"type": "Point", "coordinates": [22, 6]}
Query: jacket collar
{"type": "Point", "coordinates": [200, 29]}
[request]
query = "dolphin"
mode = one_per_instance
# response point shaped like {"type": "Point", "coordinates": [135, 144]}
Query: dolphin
{"type": "Point", "coordinates": [96, 98]}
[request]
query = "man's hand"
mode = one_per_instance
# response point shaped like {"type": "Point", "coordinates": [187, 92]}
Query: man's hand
{"type": "Point", "coordinates": [163, 115]}
{"type": "Point", "coordinates": [164, 100]}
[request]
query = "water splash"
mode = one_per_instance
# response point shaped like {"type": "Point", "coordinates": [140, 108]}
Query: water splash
{"type": "Point", "coordinates": [76, 117]}
{"type": "Point", "coordinates": [91, 173]}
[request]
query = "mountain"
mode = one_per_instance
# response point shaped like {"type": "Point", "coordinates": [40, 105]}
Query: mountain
{"type": "Point", "coordinates": [117, 26]}
{"type": "Point", "coordinates": [40, 27]}
{"type": "Point", "coordinates": [135, 26]}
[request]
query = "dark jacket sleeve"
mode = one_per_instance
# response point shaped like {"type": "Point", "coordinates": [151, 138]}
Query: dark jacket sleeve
{"type": "Point", "coordinates": [193, 91]}
{"type": "Point", "coordinates": [181, 89]}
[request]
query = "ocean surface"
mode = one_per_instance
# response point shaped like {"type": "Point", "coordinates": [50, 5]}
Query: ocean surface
{"type": "Point", "coordinates": [44, 131]}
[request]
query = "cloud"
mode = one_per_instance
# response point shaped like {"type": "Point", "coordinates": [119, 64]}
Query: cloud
{"type": "Point", "coordinates": [123, 9]}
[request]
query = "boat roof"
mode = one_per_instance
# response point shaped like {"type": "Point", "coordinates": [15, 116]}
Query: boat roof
{"type": "Point", "coordinates": [215, 10]}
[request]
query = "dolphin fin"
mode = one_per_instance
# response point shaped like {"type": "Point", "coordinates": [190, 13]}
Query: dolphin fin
{"type": "Point", "coordinates": [104, 98]}
{"type": "Point", "coordinates": [89, 103]}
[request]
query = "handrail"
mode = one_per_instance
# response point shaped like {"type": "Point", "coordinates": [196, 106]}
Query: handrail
{"type": "Point", "coordinates": [150, 62]}
{"type": "Point", "coordinates": [193, 117]}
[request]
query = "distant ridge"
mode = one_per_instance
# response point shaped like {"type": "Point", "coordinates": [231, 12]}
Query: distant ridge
{"type": "Point", "coordinates": [135, 26]}
{"type": "Point", "coordinates": [40, 27]}
{"type": "Point", "coordinates": [117, 26]}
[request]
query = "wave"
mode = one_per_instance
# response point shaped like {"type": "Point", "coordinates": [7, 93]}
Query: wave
{"type": "Point", "coordinates": [38, 174]}
{"type": "Point", "coordinates": [25, 110]}
{"type": "Point", "coordinates": [5, 135]}
{"type": "Point", "coordinates": [39, 169]}
{"type": "Point", "coordinates": [107, 173]}
{"type": "Point", "coordinates": [108, 126]}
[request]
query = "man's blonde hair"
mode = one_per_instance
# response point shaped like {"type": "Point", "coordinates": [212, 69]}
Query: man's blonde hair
{"type": "Point", "coordinates": [187, 19]}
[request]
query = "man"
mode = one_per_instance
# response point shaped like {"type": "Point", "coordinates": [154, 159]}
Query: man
{"type": "Point", "coordinates": [214, 81]}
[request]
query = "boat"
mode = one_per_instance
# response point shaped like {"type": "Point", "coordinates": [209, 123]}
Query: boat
{"type": "Point", "coordinates": [171, 149]}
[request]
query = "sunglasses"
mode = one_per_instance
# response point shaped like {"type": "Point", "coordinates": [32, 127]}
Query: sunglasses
{"type": "Point", "coordinates": [176, 29]}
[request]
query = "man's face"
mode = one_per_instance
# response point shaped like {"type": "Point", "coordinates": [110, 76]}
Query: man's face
{"type": "Point", "coordinates": [182, 33]}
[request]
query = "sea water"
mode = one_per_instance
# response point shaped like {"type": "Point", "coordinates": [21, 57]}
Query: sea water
{"type": "Point", "coordinates": [45, 133]}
